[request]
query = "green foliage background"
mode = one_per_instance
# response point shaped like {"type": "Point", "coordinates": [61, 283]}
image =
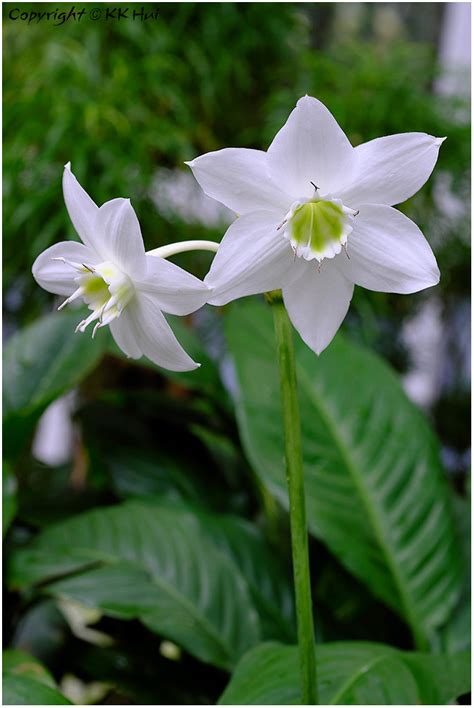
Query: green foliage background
{"type": "Point", "coordinates": [169, 522]}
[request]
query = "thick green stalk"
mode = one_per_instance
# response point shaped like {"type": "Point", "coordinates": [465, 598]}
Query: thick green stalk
{"type": "Point", "coordinates": [295, 480]}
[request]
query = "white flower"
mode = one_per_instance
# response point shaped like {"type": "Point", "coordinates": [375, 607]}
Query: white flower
{"type": "Point", "coordinates": [123, 286]}
{"type": "Point", "coordinates": [316, 217]}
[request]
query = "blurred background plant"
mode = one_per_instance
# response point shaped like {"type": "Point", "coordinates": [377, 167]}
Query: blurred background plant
{"type": "Point", "coordinates": [127, 101]}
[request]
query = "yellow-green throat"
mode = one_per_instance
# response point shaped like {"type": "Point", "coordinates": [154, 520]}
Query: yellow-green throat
{"type": "Point", "coordinates": [318, 227]}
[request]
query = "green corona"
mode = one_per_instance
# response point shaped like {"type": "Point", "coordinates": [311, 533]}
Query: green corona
{"type": "Point", "coordinates": [318, 228]}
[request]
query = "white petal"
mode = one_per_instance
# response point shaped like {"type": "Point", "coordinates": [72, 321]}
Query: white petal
{"type": "Point", "coordinates": [239, 178]}
{"type": "Point", "coordinates": [317, 303]}
{"type": "Point", "coordinates": [120, 237]}
{"type": "Point", "coordinates": [155, 337]}
{"type": "Point", "coordinates": [388, 253]}
{"type": "Point", "coordinates": [391, 169]}
{"type": "Point", "coordinates": [175, 290]}
{"type": "Point", "coordinates": [253, 258]}
{"type": "Point", "coordinates": [81, 209]}
{"type": "Point", "coordinates": [311, 147]}
{"type": "Point", "coordinates": [58, 277]}
{"type": "Point", "coordinates": [123, 332]}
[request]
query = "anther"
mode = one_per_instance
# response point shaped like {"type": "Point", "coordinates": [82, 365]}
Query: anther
{"type": "Point", "coordinates": [282, 224]}
{"type": "Point", "coordinates": [345, 251]}
{"type": "Point", "coordinates": [316, 188]}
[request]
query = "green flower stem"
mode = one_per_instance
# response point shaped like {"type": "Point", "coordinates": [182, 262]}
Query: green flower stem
{"type": "Point", "coordinates": [295, 480]}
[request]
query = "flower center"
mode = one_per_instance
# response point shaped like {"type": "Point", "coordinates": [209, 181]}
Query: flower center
{"type": "Point", "coordinates": [104, 288]}
{"type": "Point", "coordinates": [318, 228]}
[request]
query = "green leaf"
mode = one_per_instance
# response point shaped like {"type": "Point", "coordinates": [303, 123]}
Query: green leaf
{"type": "Point", "coordinates": [18, 663]}
{"type": "Point", "coordinates": [349, 673]}
{"type": "Point", "coordinates": [41, 362]}
{"type": "Point", "coordinates": [376, 491]}
{"type": "Point", "coordinates": [9, 487]}
{"type": "Point", "coordinates": [27, 682]}
{"type": "Point", "coordinates": [42, 628]}
{"type": "Point", "coordinates": [455, 636]}
{"type": "Point", "coordinates": [46, 359]}
{"type": "Point", "coordinates": [151, 473]}
{"type": "Point", "coordinates": [154, 563]}
{"type": "Point", "coordinates": [18, 691]}
{"type": "Point", "coordinates": [269, 582]}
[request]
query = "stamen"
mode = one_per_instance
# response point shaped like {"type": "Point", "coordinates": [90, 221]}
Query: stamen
{"type": "Point", "coordinates": [282, 224]}
{"type": "Point", "coordinates": [72, 264]}
{"type": "Point", "coordinates": [109, 316]}
{"type": "Point", "coordinates": [101, 313]}
{"type": "Point", "coordinates": [105, 289]}
{"type": "Point", "coordinates": [96, 327]}
{"type": "Point", "coordinates": [344, 245]}
{"type": "Point", "coordinates": [110, 303]}
{"type": "Point", "coordinates": [82, 326]}
{"type": "Point", "coordinates": [77, 293]}
{"type": "Point", "coordinates": [316, 188]}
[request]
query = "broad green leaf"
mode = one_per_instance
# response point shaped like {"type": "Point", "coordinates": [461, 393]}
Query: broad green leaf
{"type": "Point", "coordinates": [46, 359]}
{"type": "Point", "coordinates": [42, 628]}
{"type": "Point", "coordinates": [41, 362]}
{"type": "Point", "coordinates": [19, 691]}
{"type": "Point", "coordinates": [136, 473]}
{"type": "Point", "coordinates": [269, 584]}
{"type": "Point", "coordinates": [27, 682]}
{"type": "Point", "coordinates": [18, 663]}
{"type": "Point", "coordinates": [154, 563]}
{"type": "Point", "coordinates": [8, 498]}
{"type": "Point", "coordinates": [349, 673]}
{"type": "Point", "coordinates": [376, 492]}
{"type": "Point", "coordinates": [455, 636]}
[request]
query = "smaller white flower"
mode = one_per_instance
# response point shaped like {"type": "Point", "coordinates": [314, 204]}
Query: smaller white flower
{"type": "Point", "coordinates": [123, 286]}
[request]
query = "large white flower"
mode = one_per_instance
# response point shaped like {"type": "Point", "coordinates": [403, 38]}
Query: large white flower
{"type": "Point", "coordinates": [123, 286]}
{"type": "Point", "coordinates": [316, 218]}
